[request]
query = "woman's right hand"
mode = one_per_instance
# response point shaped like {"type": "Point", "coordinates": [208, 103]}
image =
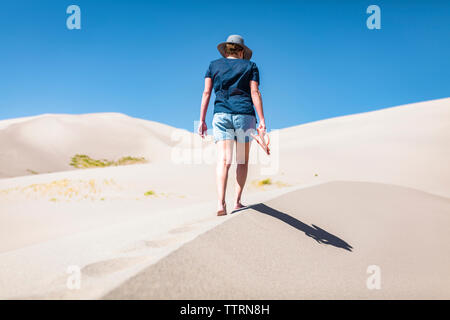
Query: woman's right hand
{"type": "Point", "coordinates": [202, 128]}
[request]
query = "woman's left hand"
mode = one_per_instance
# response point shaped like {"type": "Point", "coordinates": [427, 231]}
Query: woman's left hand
{"type": "Point", "coordinates": [262, 125]}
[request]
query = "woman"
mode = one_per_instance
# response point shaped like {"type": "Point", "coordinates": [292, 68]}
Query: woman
{"type": "Point", "coordinates": [235, 80]}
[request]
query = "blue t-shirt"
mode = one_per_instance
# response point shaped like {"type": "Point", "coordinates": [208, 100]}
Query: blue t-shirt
{"type": "Point", "coordinates": [231, 82]}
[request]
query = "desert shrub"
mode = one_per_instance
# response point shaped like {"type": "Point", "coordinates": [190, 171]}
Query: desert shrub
{"type": "Point", "coordinates": [84, 161]}
{"type": "Point", "coordinates": [265, 182]}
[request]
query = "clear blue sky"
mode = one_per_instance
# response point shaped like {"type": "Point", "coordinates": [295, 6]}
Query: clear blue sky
{"type": "Point", "coordinates": [317, 59]}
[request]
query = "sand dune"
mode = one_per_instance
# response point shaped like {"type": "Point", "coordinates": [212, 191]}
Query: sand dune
{"type": "Point", "coordinates": [47, 143]}
{"type": "Point", "coordinates": [314, 243]}
{"type": "Point", "coordinates": [407, 145]}
{"type": "Point", "coordinates": [390, 208]}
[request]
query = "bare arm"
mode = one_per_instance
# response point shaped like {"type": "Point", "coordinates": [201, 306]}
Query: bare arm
{"type": "Point", "coordinates": [204, 106]}
{"type": "Point", "coordinates": [257, 101]}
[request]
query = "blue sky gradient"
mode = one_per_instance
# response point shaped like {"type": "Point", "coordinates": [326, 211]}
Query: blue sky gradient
{"type": "Point", "coordinates": [317, 59]}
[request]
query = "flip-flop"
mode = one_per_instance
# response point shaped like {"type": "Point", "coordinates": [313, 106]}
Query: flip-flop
{"type": "Point", "coordinates": [261, 140]}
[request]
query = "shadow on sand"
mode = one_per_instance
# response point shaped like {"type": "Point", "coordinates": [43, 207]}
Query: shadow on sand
{"type": "Point", "coordinates": [313, 231]}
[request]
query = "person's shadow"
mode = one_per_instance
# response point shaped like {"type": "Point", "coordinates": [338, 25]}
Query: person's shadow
{"type": "Point", "coordinates": [318, 234]}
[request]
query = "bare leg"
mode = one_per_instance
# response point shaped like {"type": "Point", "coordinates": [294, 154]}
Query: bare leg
{"type": "Point", "coordinates": [242, 156]}
{"type": "Point", "coordinates": [225, 156]}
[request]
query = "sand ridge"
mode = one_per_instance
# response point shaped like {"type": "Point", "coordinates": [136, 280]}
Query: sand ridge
{"type": "Point", "coordinates": [362, 189]}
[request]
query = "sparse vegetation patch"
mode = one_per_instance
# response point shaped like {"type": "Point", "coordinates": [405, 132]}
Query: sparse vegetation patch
{"type": "Point", "coordinates": [268, 182]}
{"type": "Point", "coordinates": [265, 182]}
{"type": "Point", "coordinates": [84, 161]}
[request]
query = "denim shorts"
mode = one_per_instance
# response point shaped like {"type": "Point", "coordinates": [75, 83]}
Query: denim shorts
{"type": "Point", "coordinates": [227, 126]}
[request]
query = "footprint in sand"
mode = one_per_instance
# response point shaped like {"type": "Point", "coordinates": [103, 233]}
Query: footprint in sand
{"type": "Point", "coordinates": [101, 268]}
{"type": "Point", "coordinates": [161, 243]}
{"type": "Point", "coordinates": [205, 220]}
{"type": "Point", "coordinates": [182, 229]}
{"type": "Point", "coordinates": [153, 244]}
{"type": "Point", "coordinates": [192, 226]}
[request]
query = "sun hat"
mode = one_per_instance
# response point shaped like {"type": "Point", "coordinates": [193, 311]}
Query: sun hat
{"type": "Point", "coordinates": [236, 39]}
